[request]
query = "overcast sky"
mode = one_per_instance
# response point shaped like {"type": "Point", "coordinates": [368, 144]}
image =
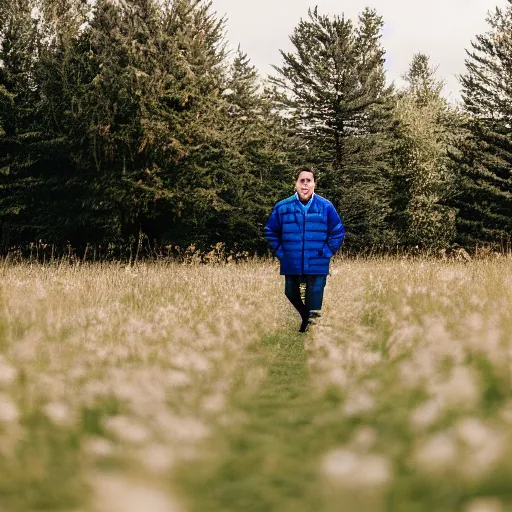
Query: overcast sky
{"type": "Point", "coordinates": [439, 28]}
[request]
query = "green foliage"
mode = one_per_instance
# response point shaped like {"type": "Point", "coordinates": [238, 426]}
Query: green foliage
{"type": "Point", "coordinates": [426, 130]}
{"type": "Point", "coordinates": [140, 128]}
{"type": "Point", "coordinates": [19, 124]}
{"type": "Point", "coordinates": [258, 151]}
{"type": "Point", "coordinates": [485, 160]}
{"type": "Point", "coordinates": [130, 121]}
{"type": "Point", "coordinates": [43, 472]}
{"type": "Point", "coordinates": [335, 96]}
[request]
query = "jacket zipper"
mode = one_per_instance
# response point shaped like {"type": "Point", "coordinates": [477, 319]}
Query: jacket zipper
{"type": "Point", "coordinates": [303, 240]}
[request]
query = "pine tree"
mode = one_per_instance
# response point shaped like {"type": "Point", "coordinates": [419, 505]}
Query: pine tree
{"type": "Point", "coordinates": [196, 174]}
{"type": "Point", "coordinates": [426, 132]}
{"type": "Point", "coordinates": [140, 120]}
{"type": "Point", "coordinates": [19, 124]}
{"type": "Point", "coordinates": [123, 119]}
{"type": "Point", "coordinates": [38, 182]}
{"type": "Point", "coordinates": [338, 103]}
{"type": "Point", "coordinates": [484, 163]}
{"type": "Point", "coordinates": [257, 148]}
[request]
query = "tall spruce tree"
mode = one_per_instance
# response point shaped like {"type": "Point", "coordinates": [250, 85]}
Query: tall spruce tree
{"type": "Point", "coordinates": [19, 123]}
{"type": "Point", "coordinates": [426, 132]}
{"type": "Point", "coordinates": [140, 121]}
{"type": "Point", "coordinates": [39, 185]}
{"type": "Point", "coordinates": [258, 150]}
{"type": "Point", "coordinates": [122, 119]}
{"type": "Point", "coordinates": [336, 99]}
{"type": "Point", "coordinates": [484, 163]}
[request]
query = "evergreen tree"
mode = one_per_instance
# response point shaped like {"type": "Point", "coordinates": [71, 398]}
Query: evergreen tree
{"type": "Point", "coordinates": [257, 147]}
{"type": "Point", "coordinates": [19, 126]}
{"type": "Point", "coordinates": [484, 163]}
{"type": "Point", "coordinates": [123, 119]}
{"type": "Point", "coordinates": [426, 132]}
{"type": "Point", "coordinates": [338, 103]}
{"type": "Point", "coordinates": [140, 121]}
{"type": "Point", "coordinates": [205, 180]}
{"type": "Point", "coordinates": [37, 154]}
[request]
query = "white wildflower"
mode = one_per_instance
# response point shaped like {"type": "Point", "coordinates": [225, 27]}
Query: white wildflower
{"type": "Point", "coordinates": [177, 378]}
{"type": "Point", "coordinates": [406, 310]}
{"type": "Point", "coordinates": [191, 361]}
{"type": "Point", "coordinates": [215, 402]}
{"type": "Point", "coordinates": [492, 338]}
{"type": "Point", "coordinates": [506, 413]}
{"type": "Point", "coordinates": [403, 337]}
{"type": "Point", "coordinates": [358, 402]}
{"type": "Point", "coordinates": [78, 371]}
{"type": "Point", "coordinates": [157, 458]}
{"type": "Point", "coordinates": [447, 275]}
{"type": "Point", "coordinates": [426, 414]}
{"type": "Point", "coordinates": [127, 429]}
{"type": "Point", "coordinates": [435, 330]}
{"type": "Point", "coordinates": [182, 429]}
{"type": "Point", "coordinates": [352, 470]}
{"type": "Point", "coordinates": [473, 432]}
{"type": "Point", "coordinates": [58, 413]}
{"type": "Point", "coordinates": [364, 438]}
{"type": "Point", "coordinates": [8, 374]}
{"type": "Point", "coordinates": [485, 505]}
{"type": "Point", "coordinates": [438, 453]}
{"type": "Point", "coordinates": [461, 390]}
{"type": "Point", "coordinates": [8, 411]}
{"type": "Point", "coordinates": [98, 446]}
{"type": "Point", "coordinates": [337, 377]}
{"type": "Point", "coordinates": [475, 322]}
{"type": "Point", "coordinates": [340, 463]}
{"type": "Point", "coordinates": [477, 301]}
{"type": "Point", "coordinates": [486, 446]}
{"type": "Point", "coordinates": [114, 492]}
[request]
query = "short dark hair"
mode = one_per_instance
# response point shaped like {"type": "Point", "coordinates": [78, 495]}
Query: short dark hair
{"type": "Point", "coordinates": [305, 168]}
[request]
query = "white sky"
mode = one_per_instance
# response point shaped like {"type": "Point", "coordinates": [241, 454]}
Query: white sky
{"type": "Point", "coordinates": [440, 28]}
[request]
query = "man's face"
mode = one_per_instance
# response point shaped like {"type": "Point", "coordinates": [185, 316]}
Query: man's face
{"type": "Point", "coordinates": [305, 185]}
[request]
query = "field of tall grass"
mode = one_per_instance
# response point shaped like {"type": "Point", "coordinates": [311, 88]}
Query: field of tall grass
{"type": "Point", "coordinates": [175, 388]}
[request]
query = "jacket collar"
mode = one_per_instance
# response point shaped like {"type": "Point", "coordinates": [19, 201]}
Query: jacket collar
{"type": "Point", "coordinates": [308, 204]}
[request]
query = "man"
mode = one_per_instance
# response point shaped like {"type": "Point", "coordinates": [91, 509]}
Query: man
{"type": "Point", "coordinates": [304, 231]}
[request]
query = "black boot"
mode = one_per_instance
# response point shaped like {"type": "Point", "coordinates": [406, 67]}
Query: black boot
{"type": "Point", "coordinates": [305, 322]}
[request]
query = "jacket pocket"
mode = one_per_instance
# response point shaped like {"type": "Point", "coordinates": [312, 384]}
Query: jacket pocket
{"type": "Point", "coordinates": [280, 252]}
{"type": "Point", "coordinates": [325, 252]}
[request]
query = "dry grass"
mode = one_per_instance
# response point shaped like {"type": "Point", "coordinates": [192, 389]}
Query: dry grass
{"type": "Point", "coordinates": [186, 388]}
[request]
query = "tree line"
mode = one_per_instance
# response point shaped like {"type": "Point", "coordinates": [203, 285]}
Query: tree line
{"type": "Point", "coordinates": [124, 121]}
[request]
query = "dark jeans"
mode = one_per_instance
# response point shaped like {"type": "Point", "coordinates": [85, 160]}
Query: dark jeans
{"type": "Point", "coordinates": [314, 293]}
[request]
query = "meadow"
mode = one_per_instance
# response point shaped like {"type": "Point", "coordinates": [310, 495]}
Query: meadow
{"type": "Point", "coordinates": [175, 388]}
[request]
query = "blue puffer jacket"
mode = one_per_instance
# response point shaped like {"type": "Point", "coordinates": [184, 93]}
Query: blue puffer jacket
{"type": "Point", "coordinates": [304, 241]}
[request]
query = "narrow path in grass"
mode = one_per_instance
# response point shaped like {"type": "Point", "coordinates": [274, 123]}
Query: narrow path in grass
{"type": "Point", "coordinates": [266, 459]}
{"type": "Point", "coordinates": [399, 403]}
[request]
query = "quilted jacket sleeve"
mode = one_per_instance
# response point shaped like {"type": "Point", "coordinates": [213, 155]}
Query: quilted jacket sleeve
{"type": "Point", "coordinates": [273, 232]}
{"type": "Point", "coordinates": [336, 232]}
